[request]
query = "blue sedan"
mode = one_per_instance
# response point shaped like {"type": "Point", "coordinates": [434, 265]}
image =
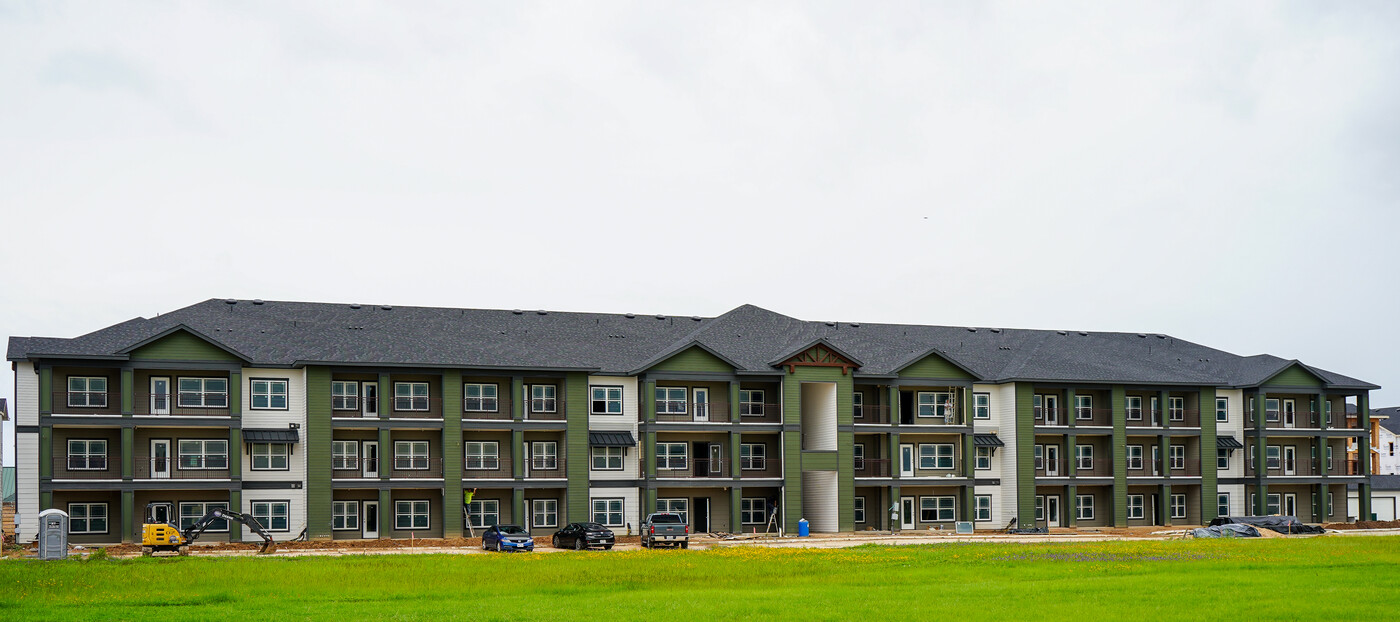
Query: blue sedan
{"type": "Point", "coordinates": [507, 538]}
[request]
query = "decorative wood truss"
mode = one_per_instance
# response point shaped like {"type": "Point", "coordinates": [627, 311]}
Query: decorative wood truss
{"type": "Point", "coordinates": [819, 356]}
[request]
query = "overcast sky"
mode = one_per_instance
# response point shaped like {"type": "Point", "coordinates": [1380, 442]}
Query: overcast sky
{"type": "Point", "coordinates": [1223, 172]}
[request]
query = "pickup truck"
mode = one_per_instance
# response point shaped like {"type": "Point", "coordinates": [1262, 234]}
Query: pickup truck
{"type": "Point", "coordinates": [665, 529]}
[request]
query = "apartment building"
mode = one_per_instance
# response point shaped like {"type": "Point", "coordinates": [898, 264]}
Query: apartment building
{"type": "Point", "coordinates": [365, 421]}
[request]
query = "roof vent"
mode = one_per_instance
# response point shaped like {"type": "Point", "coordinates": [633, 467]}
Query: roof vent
{"type": "Point", "coordinates": [1143, 335]}
{"type": "Point", "coordinates": [386, 307]}
{"type": "Point", "coordinates": [542, 312]}
{"type": "Point", "coordinates": [1083, 333]}
{"type": "Point", "coordinates": [517, 311]}
{"type": "Point", "coordinates": [695, 317]}
{"type": "Point", "coordinates": [355, 306]}
{"type": "Point", "coordinates": [1161, 336]}
{"type": "Point", "coordinates": [660, 317]}
{"type": "Point", "coordinates": [831, 323]}
{"type": "Point", "coordinates": [629, 315]}
{"type": "Point", "coordinates": [257, 301]}
{"type": "Point", "coordinates": [855, 324]}
{"type": "Point", "coordinates": [1060, 332]}
{"type": "Point", "coordinates": [1003, 347]}
{"type": "Point", "coordinates": [996, 330]}
{"type": "Point", "coordinates": [971, 329]}
{"type": "Point", "coordinates": [231, 301]}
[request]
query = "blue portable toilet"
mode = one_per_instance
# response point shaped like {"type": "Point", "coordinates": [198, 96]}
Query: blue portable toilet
{"type": "Point", "coordinates": [803, 529]}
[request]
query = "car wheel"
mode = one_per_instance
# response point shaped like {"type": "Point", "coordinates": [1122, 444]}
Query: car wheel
{"type": "Point", "coordinates": [578, 544]}
{"type": "Point", "coordinates": [556, 542]}
{"type": "Point", "coordinates": [607, 547]}
{"type": "Point", "coordinates": [498, 546]}
{"type": "Point", "coordinates": [685, 545]}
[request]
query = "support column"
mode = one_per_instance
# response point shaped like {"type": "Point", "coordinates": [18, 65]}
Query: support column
{"type": "Point", "coordinates": [735, 440]}
{"type": "Point", "coordinates": [1072, 410]}
{"type": "Point", "coordinates": [894, 456]}
{"type": "Point", "coordinates": [45, 453]}
{"type": "Point", "coordinates": [1072, 450]}
{"type": "Point", "coordinates": [517, 398]}
{"type": "Point", "coordinates": [650, 506]}
{"type": "Point", "coordinates": [452, 448]}
{"type": "Point", "coordinates": [734, 416]}
{"type": "Point", "coordinates": [517, 453]}
{"type": "Point", "coordinates": [1163, 403]}
{"type": "Point", "coordinates": [386, 405]}
{"type": "Point", "coordinates": [235, 503]}
{"type": "Point", "coordinates": [893, 515]}
{"type": "Point", "coordinates": [1071, 506]}
{"type": "Point", "coordinates": [130, 522]}
{"type": "Point", "coordinates": [386, 458]}
{"type": "Point", "coordinates": [128, 449]}
{"type": "Point", "coordinates": [128, 388]}
{"type": "Point", "coordinates": [1120, 456]}
{"type": "Point", "coordinates": [1164, 508]}
{"type": "Point", "coordinates": [1164, 456]}
{"type": "Point", "coordinates": [386, 502]}
{"type": "Point", "coordinates": [1206, 455]}
{"type": "Point", "coordinates": [893, 396]}
{"type": "Point", "coordinates": [235, 453]}
{"type": "Point", "coordinates": [1363, 455]}
{"type": "Point", "coordinates": [736, 523]}
{"type": "Point", "coordinates": [1261, 490]}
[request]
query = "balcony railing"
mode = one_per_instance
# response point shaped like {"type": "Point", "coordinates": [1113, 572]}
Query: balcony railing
{"type": "Point", "coordinates": [545, 410]}
{"type": "Point", "coordinates": [879, 467]}
{"type": "Point", "coordinates": [1098, 467]}
{"type": "Point", "coordinates": [181, 404]}
{"type": "Point", "coordinates": [1044, 415]}
{"type": "Point", "coordinates": [487, 468]}
{"type": "Point", "coordinates": [948, 416]}
{"type": "Point", "coordinates": [872, 414]}
{"type": "Point", "coordinates": [1184, 418]}
{"type": "Point", "coordinates": [760, 413]}
{"type": "Point", "coordinates": [415, 408]}
{"type": "Point", "coordinates": [1144, 468]}
{"type": "Point", "coordinates": [477, 408]}
{"type": "Point", "coordinates": [702, 468]}
{"type": "Point", "coordinates": [207, 467]}
{"type": "Point", "coordinates": [1144, 418]}
{"type": "Point", "coordinates": [1303, 419]}
{"type": "Point", "coordinates": [406, 467]}
{"type": "Point", "coordinates": [354, 468]}
{"type": "Point", "coordinates": [698, 412]}
{"type": "Point", "coordinates": [87, 403]}
{"type": "Point", "coordinates": [1306, 467]}
{"type": "Point", "coordinates": [87, 467]}
{"type": "Point", "coordinates": [1092, 416]}
{"type": "Point", "coordinates": [545, 467]}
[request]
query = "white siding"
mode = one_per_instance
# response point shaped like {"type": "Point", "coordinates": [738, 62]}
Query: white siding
{"type": "Point", "coordinates": [27, 485]}
{"type": "Point", "coordinates": [1237, 498]}
{"type": "Point", "coordinates": [1236, 417]}
{"type": "Point", "coordinates": [819, 416]}
{"type": "Point", "coordinates": [819, 501]}
{"type": "Point", "coordinates": [631, 506]}
{"type": "Point", "coordinates": [26, 397]}
{"type": "Point", "coordinates": [627, 421]}
{"type": "Point", "coordinates": [296, 511]}
{"type": "Point", "coordinates": [295, 413]}
{"type": "Point", "coordinates": [1004, 414]}
{"type": "Point", "coordinates": [1388, 452]}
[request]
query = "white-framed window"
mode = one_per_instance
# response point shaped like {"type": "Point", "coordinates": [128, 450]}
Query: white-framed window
{"type": "Point", "coordinates": [543, 398]}
{"type": "Point", "coordinates": [1271, 410]}
{"type": "Point", "coordinates": [412, 514]}
{"type": "Point", "coordinates": [345, 455]}
{"type": "Point", "coordinates": [345, 395]}
{"type": "Point", "coordinates": [983, 507]}
{"type": "Point", "coordinates": [936, 456]}
{"type": "Point", "coordinates": [1222, 459]}
{"type": "Point", "coordinates": [750, 403]}
{"type": "Point", "coordinates": [1177, 455]}
{"type": "Point", "coordinates": [859, 509]}
{"type": "Point", "coordinates": [411, 396]}
{"type": "Point", "coordinates": [934, 403]}
{"type": "Point", "coordinates": [1222, 409]}
{"type": "Point", "coordinates": [1273, 457]}
{"type": "Point", "coordinates": [1084, 507]}
{"type": "Point", "coordinates": [87, 518]}
{"type": "Point", "coordinates": [545, 513]}
{"type": "Point", "coordinates": [1135, 506]}
{"type": "Point", "coordinates": [544, 455]}
{"type": "Point", "coordinates": [1176, 408]}
{"type": "Point", "coordinates": [1083, 407]}
{"type": "Point", "coordinates": [410, 455]}
{"type": "Point", "coordinates": [753, 456]}
{"type": "Point", "coordinates": [670, 400]}
{"type": "Point", "coordinates": [671, 456]}
{"type": "Point", "coordinates": [1134, 454]}
{"type": "Point", "coordinates": [858, 452]}
{"type": "Point", "coordinates": [483, 455]}
{"type": "Point", "coordinates": [607, 458]}
{"type": "Point", "coordinates": [606, 400]}
{"type": "Point", "coordinates": [983, 458]}
{"type": "Point", "coordinates": [1040, 507]}
{"type": "Point", "coordinates": [192, 511]}
{"type": "Point", "coordinates": [675, 506]}
{"type": "Point", "coordinates": [981, 405]}
{"type": "Point", "coordinates": [269, 456]}
{"type": "Point", "coordinates": [87, 392]}
{"type": "Point", "coordinates": [857, 404]}
{"type": "Point", "coordinates": [608, 512]}
{"type": "Point", "coordinates": [272, 515]}
{"type": "Point", "coordinates": [1084, 457]}
{"type": "Point", "coordinates": [345, 515]}
{"type": "Point", "coordinates": [1178, 506]}
{"type": "Point", "coordinates": [202, 392]}
{"type": "Point", "coordinates": [87, 455]}
{"type": "Point", "coordinates": [269, 393]}
{"type": "Point", "coordinates": [1133, 408]}
{"type": "Point", "coordinates": [1038, 453]}
{"type": "Point", "coordinates": [1222, 504]}
{"type": "Point", "coordinates": [484, 513]}
{"type": "Point", "coordinates": [751, 511]}
{"type": "Point", "coordinates": [1273, 503]}
{"type": "Point", "coordinates": [209, 454]}
{"type": "Point", "coordinates": [480, 398]}
{"type": "Point", "coordinates": [937, 509]}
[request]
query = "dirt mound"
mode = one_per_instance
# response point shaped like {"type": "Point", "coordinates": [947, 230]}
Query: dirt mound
{"type": "Point", "coordinates": [1365, 524]}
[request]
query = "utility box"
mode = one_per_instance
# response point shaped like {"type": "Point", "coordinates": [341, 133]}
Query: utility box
{"type": "Point", "coordinates": [53, 534]}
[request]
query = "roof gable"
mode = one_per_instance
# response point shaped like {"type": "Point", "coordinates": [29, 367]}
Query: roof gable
{"type": "Point", "coordinates": [819, 354]}
{"type": "Point", "coordinates": [933, 364]}
{"type": "Point", "coordinates": [181, 343]}
{"type": "Point", "coordinates": [695, 358]}
{"type": "Point", "coordinates": [1295, 375]}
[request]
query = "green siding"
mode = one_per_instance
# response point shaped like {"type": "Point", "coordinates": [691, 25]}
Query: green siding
{"type": "Point", "coordinates": [45, 391]}
{"type": "Point", "coordinates": [1294, 376]}
{"type": "Point", "coordinates": [796, 460]}
{"type": "Point", "coordinates": [181, 346]}
{"type": "Point", "coordinates": [128, 515]}
{"type": "Point", "coordinates": [235, 455]}
{"type": "Point", "coordinates": [46, 452]}
{"type": "Point", "coordinates": [1208, 475]}
{"type": "Point", "coordinates": [846, 477]}
{"type": "Point", "coordinates": [235, 393]}
{"type": "Point", "coordinates": [452, 454]}
{"type": "Point", "coordinates": [694, 358]}
{"type": "Point", "coordinates": [576, 439]}
{"type": "Point", "coordinates": [819, 460]}
{"type": "Point", "coordinates": [934, 366]}
{"type": "Point", "coordinates": [318, 453]}
{"type": "Point", "coordinates": [128, 381]}
{"type": "Point", "coordinates": [1025, 456]}
{"type": "Point", "coordinates": [235, 502]}
{"type": "Point", "coordinates": [1120, 456]}
{"type": "Point", "coordinates": [128, 456]}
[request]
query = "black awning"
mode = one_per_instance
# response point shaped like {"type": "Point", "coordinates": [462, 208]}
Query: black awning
{"type": "Point", "coordinates": [986, 440]}
{"type": "Point", "coordinates": [1227, 442]}
{"type": "Point", "coordinates": [274, 435]}
{"type": "Point", "coordinates": [611, 439]}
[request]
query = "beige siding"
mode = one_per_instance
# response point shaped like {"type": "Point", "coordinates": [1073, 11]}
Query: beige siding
{"type": "Point", "coordinates": [627, 421]}
{"type": "Point", "coordinates": [27, 484]}
{"type": "Point", "coordinates": [26, 395]}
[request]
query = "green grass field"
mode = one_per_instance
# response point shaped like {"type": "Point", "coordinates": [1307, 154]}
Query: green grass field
{"type": "Point", "coordinates": [1336, 578]}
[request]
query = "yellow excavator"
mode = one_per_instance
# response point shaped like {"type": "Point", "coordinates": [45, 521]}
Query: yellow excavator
{"type": "Point", "coordinates": [158, 536]}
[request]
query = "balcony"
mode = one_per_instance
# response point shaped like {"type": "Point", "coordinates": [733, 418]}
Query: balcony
{"type": "Point", "coordinates": [354, 468]}
{"type": "Point", "coordinates": [1180, 467]}
{"type": "Point", "coordinates": [207, 467]}
{"type": "Point", "coordinates": [180, 404]}
{"type": "Point", "coordinates": [545, 467]}
{"type": "Point", "coordinates": [488, 467]}
{"type": "Point", "coordinates": [87, 467]}
{"type": "Point", "coordinates": [1184, 418]}
{"type": "Point", "coordinates": [87, 403]}
{"type": "Point", "coordinates": [872, 468]}
{"type": "Point", "coordinates": [1093, 416]}
{"type": "Point", "coordinates": [1273, 420]}
{"type": "Point", "coordinates": [1143, 418]}
{"type": "Point", "coordinates": [760, 413]}
{"type": "Point", "coordinates": [487, 409]}
{"type": "Point", "coordinates": [1060, 468]}
{"type": "Point", "coordinates": [545, 410]}
{"type": "Point", "coordinates": [405, 467]}
{"type": "Point", "coordinates": [947, 416]}
{"type": "Point", "coordinates": [693, 412]}
{"type": "Point", "coordinates": [703, 468]}
{"type": "Point", "coordinates": [1306, 468]}
{"type": "Point", "coordinates": [872, 414]}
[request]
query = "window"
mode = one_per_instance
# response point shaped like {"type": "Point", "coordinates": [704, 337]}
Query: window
{"type": "Point", "coordinates": [542, 398]}
{"type": "Point", "coordinates": [272, 515]}
{"type": "Point", "coordinates": [1177, 454]}
{"type": "Point", "coordinates": [1084, 507]}
{"type": "Point", "coordinates": [671, 456]}
{"type": "Point", "coordinates": [1222, 409]}
{"type": "Point", "coordinates": [859, 509]}
{"type": "Point", "coordinates": [483, 455]}
{"type": "Point", "coordinates": [607, 459]}
{"type": "Point", "coordinates": [1222, 504]}
{"type": "Point", "coordinates": [935, 404]}
{"type": "Point", "coordinates": [411, 396]}
{"type": "Point", "coordinates": [545, 514]}
{"type": "Point", "coordinates": [87, 518]}
{"type": "Point", "coordinates": [1273, 457]}
{"type": "Point", "coordinates": [269, 456]}
{"type": "Point", "coordinates": [192, 511]}
{"type": "Point", "coordinates": [1329, 458]}
{"type": "Point", "coordinates": [89, 392]}
{"type": "Point", "coordinates": [544, 455]}
{"type": "Point", "coordinates": [1084, 457]}
{"type": "Point", "coordinates": [203, 392]}
{"type": "Point", "coordinates": [1040, 507]}
{"type": "Point", "coordinates": [983, 507]}
{"type": "Point", "coordinates": [1156, 414]}
{"type": "Point", "coordinates": [1178, 506]}
{"type": "Point", "coordinates": [1135, 457]}
{"type": "Point", "coordinates": [1176, 408]}
{"type": "Point", "coordinates": [936, 456]}
{"type": "Point", "coordinates": [936, 509]}
{"type": "Point", "coordinates": [608, 512]}
{"type": "Point", "coordinates": [411, 515]}
{"type": "Point", "coordinates": [269, 394]}
{"type": "Point", "coordinates": [858, 451]}
{"type": "Point", "coordinates": [984, 458]}
{"type": "Point", "coordinates": [670, 400]}
{"type": "Point", "coordinates": [1134, 408]}
{"type": "Point", "coordinates": [1222, 459]}
{"type": "Point", "coordinates": [981, 405]}
{"type": "Point", "coordinates": [751, 511]}
{"type": "Point", "coordinates": [1271, 410]}
{"type": "Point", "coordinates": [753, 456]}
{"type": "Point", "coordinates": [1275, 504]}
{"type": "Point", "coordinates": [1039, 452]}
{"type": "Point", "coordinates": [1135, 505]}
{"type": "Point", "coordinates": [484, 513]}
{"type": "Point", "coordinates": [479, 398]}
{"type": "Point", "coordinates": [88, 455]}
{"type": "Point", "coordinates": [751, 403]}
{"type": "Point", "coordinates": [345, 515]}
{"type": "Point", "coordinates": [1249, 414]}
{"type": "Point", "coordinates": [410, 455]}
{"type": "Point", "coordinates": [201, 454]}
{"type": "Point", "coordinates": [1083, 407]}
{"type": "Point", "coordinates": [345, 394]}
{"type": "Point", "coordinates": [607, 400]}
{"type": "Point", "coordinates": [858, 405]}
{"type": "Point", "coordinates": [345, 455]}
{"type": "Point", "coordinates": [675, 506]}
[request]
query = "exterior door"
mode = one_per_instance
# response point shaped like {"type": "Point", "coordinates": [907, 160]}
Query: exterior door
{"type": "Point", "coordinates": [160, 395]}
{"type": "Point", "coordinates": [371, 525]}
{"type": "Point", "coordinates": [700, 514]}
{"type": "Point", "coordinates": [906, 460]}
{"type": "Point", "coordinates": [160, 458]}
{"type": "Point", "coordinates": [369, 405]}
{"type": "Point", "coordinates": [1290, 504]}
{"type": "Point", "coordinates": [1052, 408]}
{"type": "Point", "coordinates": [1052, 510]}
{"type": "Point", "coordinates": [1289, 410]}
{"type": "Point", "coordinates": [702, 404]}
{"type": "Point", "coordinates": [1290, 460]}
{"type": "Point", "coordinates": [906, 512]}
{"type": "Point", "coordinates": [1052, 460]}
{"type": "Point", "coordinates": [369, 467]}
{"type": "Point", "coordinates": [716, 458]}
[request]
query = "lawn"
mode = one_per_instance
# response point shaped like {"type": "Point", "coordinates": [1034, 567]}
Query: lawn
{"type": "Point", "coordinates": [1356, 578]}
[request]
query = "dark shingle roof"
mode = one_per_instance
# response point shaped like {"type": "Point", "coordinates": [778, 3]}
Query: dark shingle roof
{"type": "Point", "coordinates": [1392, 417]}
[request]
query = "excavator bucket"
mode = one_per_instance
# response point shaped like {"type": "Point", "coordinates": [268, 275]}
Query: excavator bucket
{"type": "Point", "coordinates": [267, 547]}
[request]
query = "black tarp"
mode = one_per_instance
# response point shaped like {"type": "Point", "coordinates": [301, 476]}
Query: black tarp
{"type": "Point", "coordinates": [1232, 530]}
{"type": "Point", "coordinates": [1281, 524]}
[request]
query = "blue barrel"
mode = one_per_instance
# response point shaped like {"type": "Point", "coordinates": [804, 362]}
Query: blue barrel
{"type": "Point", "coordinates": [802, 529]}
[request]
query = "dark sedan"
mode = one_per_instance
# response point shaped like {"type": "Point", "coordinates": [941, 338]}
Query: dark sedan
{"type": "Point", "coordinates": [582, 536]}
{"type": "Point", "coordinates": [507, 538]}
